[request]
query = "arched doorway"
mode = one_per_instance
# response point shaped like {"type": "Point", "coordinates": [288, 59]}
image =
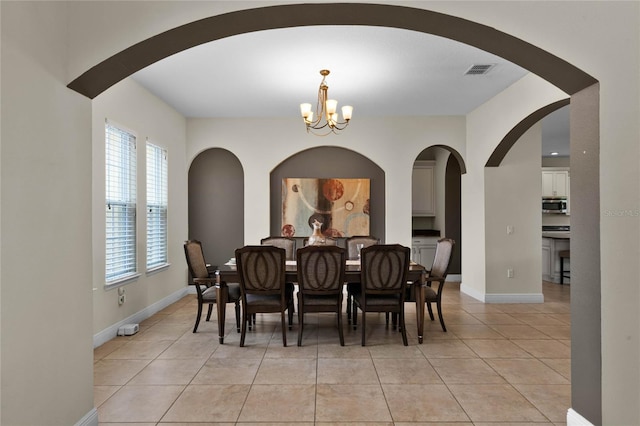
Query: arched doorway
{"type": "Point", "coordinates": [583, 89]}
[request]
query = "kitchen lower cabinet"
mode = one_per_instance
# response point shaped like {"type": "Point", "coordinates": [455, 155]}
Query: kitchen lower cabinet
{"type": "Point", "coordinates": [551, 259]}
{"type": "Point", "coordinates": [423, 250]}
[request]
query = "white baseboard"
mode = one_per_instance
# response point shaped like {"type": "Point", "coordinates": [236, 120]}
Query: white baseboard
{"type": "Point", "coordinates": [89, 419]}
{"type": "Point", "coordinates": [112, 331]}
{"type": "Point", "coordinates": [514, 298]}
{"type": "Point", "coordinates": [502, 297]}
{"type": "Point", "coordinates": [575, 419]}
{"type": "Point", "coordinates": [471, 292]}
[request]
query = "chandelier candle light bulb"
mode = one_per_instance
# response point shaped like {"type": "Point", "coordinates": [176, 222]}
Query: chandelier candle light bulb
{"type": "Point", "coordinates": [327, 120]}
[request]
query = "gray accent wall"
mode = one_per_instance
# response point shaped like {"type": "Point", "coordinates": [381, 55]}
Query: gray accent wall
{"type": "Point", "coordinates": [453, 211]}
{"type": "Point", "coordinates": [216, 204]}
{"type": "Point", "coordinates": [586, 322]}
{"type": "Point", "coordinates": [329, 162]}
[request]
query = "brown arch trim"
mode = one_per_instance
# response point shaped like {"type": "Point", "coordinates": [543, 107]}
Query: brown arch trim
{"type": "Point", "coordinates": [457, 156]}
{"type": "Point", "coordinates": [121, 65]}
{"type": "Point", "coordinates": [514, 134]}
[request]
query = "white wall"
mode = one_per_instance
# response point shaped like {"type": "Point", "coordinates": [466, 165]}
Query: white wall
{"type": "Point", "coordinates": [590, 35]}
{"type": "Point", "coordinates": [261, 145]}
{"type": "Point", "coordinates": [130, 105]}
{"type": "Point", "coordinates": [512, 198]}
{"type": "Point", "coordinates": [47, 360]}
{"type": "Point", "coordinates": [504, 111]}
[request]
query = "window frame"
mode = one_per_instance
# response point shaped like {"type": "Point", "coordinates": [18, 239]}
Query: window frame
{"type": "Point", "coordinates": [120, 190]}
{"type": "Point", "coordinates": [157, 207]}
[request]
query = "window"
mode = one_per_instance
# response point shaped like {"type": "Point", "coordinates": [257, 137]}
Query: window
{"type": "Point", "coordinates": [120, 259]}
{"type": "Point", "coordinates": [156, 206]}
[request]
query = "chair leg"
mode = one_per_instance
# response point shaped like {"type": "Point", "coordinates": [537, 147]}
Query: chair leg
{"type": "Point", "coordinates": [348, 308]}
{"type": "Point", "coordinates": [300, 324]}
{"type": "Point", "coordinates": [354, 316]}
{"type": "Point", "coordinates": [245, 318]}
{"type": "Point", "coordinates": [430, 311]}
{"type": "Point", "coordinates": [195, 327]}
{"type": "Point", "coordinates": [440, 316]}
{"type": "Point", "coordinates": [404, 329]}
{"type": "Point", "coordinates": [209, 311]}
{"type": "Point", "coordinates": [364, 322]}
{"type": "Point", "coordinates": [238, 316]}
{"type": "Point", "coordinates": [291, 310]}
{"type": "Point", "coordinates": [284, 330]}
{"type": "Point", "coordinates": [386, 318]}
{"type": "Point", "coordinates": [340, 332]}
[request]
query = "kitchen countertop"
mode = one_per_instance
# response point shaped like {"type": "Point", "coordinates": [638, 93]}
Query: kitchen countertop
{"type": "Point", "coordinates": [557, 234]}
{"type": "Point", "coordinates": [425, 233]}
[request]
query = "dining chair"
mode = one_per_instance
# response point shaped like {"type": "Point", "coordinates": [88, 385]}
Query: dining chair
{"type": "Point", "coordinates": [328, 241]}
{"type": "Point", "coordinates": [320, 281]}
{"type": "Point", "coordinates": [205, 281]}
{"type": "Point", "coordinates": [438, 274]}
{"type": "Point", "coordinates": [353, 253]}
{"type": "Point", "coordinates": [384, 270]}
{"type": "Point", "coordinates": [262, 284]}
{"type": "Point", "coordinates": [289, 245]}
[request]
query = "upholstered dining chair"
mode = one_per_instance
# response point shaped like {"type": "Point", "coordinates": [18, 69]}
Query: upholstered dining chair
{"type": "Point", "coordinates": [384, 270]}
{"type": "Point", "coordinates": [289, 245]}
{"type": "Point", "coordinates": [320, 281]}
{"type": "Point", "coordinates": [353, 253]}
{"type": "Point", "coordinates": [262, 284]}
{"type": "Point", "coordinates": [205, 281]}
{"type": "Point", "coordinates": [438, 274]}
{"type": "Point", "coordinates": [328, 241]}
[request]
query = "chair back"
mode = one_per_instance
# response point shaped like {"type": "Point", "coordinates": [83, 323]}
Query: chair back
{"type": "Point", "coordinates": [195, 259]}
{"type": "Point", "coordinates": [261, 269]}
{"type": "Point", "coordinates": [384, 269]}
{"type": "Point", "coordinates": [328, 241]}
{"type": "Point", "coordinates": [321, 269]}
{"type": "Point", "coordinates": [286, 243]}
{"type": "Point", "coordinates": [442, 259]}
{"type": "Point", "coordinates": [352, 244]}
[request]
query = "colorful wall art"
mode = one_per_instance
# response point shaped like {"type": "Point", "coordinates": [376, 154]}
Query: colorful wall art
{"type": "Point", "coordinates": [341, 205]}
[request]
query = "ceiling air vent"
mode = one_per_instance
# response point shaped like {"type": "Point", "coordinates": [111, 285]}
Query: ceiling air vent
{"type": "Point", "coordinates": [479, 69]}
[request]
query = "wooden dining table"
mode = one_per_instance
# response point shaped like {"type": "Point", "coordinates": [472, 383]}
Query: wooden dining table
{"type": "Point", "coordinates": [229, 274]}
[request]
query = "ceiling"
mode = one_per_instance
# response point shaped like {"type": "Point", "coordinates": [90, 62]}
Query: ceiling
{"type": "Point", "coordinates": [380, 71]}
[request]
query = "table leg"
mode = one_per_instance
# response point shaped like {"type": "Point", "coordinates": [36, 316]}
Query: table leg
{"type": "Point", "coordinates": [222, 295]}
{"type": "Point", "coordinates": [419, 294]}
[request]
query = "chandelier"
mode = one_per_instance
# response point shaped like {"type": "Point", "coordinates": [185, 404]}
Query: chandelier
{"type": "Point", "coordinates": [325, 120]}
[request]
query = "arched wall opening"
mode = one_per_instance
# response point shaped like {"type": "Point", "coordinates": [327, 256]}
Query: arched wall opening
{"type": "Point", "coordinates": [329, 162]}
{"type": "Point", "coordinates": [216, 203]}
{"type": "Point", "coordinates": [448, 167]}
{"type": "Point", "coordinates": [583, 89]}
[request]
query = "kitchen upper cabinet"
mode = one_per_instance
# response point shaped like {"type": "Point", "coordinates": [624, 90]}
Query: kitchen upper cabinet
{"type": "Point", "coordinates": [423, 189]}
{"type": "Point", "coordinates": [555, 183]}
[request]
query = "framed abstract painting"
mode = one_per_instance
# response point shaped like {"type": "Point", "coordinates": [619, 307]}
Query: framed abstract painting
{"type": "Point", "coordinates": [340, 205]}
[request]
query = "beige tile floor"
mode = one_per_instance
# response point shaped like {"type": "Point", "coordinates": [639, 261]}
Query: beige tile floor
{"type": "Point", "coordinates": [498, 364]}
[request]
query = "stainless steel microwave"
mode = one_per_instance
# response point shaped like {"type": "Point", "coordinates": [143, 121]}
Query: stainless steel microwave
{"type": "Point", "coordinates": [557, 205]}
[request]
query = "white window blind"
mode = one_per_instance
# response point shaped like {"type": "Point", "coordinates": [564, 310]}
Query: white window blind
{"type": "Point", "coordinates": [120, 179]}
{"type": "Point", "coordinates": [156, 206]}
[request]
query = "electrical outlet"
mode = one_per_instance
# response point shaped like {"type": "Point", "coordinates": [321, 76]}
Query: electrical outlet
{"type": "Point", "coordinates": [509, 229]}
{"type": "Point", "coordinates": [510, 273]}
{"type": "Point", "coordinates": [121, 299]}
